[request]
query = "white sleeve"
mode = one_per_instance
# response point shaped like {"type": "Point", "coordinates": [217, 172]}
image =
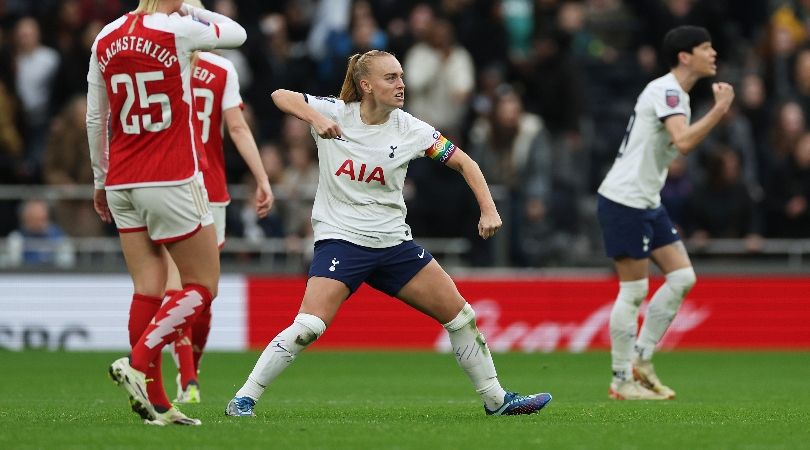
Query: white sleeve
{"type": "Point", "coordinates": [207, 30]}
{"type": "Point", "coordinates": [231, 97]}
{"type": "Point", "coordinates": [424, 135]}
{"type": "Point", "coordinates": [98, 111]}
{"type": "Point", "coordinates": [328, 106]}
{"type": "Point", "coordinates": [668, 100]}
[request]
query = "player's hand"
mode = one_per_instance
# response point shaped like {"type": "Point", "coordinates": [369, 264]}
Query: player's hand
{"type": "Point", "coordinates": [264, 198]}
{"type": "Point", "coordinates": [326, 128]}
{"type": "Point", "coordinates": [723, 94]}
{"type": "Point", "coordinates": [489, 224]}
{"type": "Point", "coordinates": [100, 205]}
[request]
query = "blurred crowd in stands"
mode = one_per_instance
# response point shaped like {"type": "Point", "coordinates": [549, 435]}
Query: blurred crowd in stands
{"type": "Point", "coordinates": [539, 92]}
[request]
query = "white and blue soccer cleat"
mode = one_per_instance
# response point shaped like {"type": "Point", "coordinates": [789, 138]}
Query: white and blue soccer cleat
{"type": "Point", "coordinates": [516, 404]}
{"type": "Point", "coordinates": [240, 407]}
{"type": "Point", "coordinates": [134, 381]}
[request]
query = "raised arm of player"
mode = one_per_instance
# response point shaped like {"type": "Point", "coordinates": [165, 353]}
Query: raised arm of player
{"type": "Point", "coordinates": [222, 31]}
{"type": "Point", "coordinates": [686, 137]}
{"type": "Point", "coordinates": [246, 145]}
{"type": "Point", "coordinates": [490, 220]}
{"type": "Point", "coordinates": [294, 103]}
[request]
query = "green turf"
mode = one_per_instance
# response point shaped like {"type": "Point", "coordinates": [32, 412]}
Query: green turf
{"type": "Point", "coordinates": [417, 400]}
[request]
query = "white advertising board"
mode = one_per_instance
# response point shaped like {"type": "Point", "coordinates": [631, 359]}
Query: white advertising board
{"type": "Point", "coordinates": [90, 312]}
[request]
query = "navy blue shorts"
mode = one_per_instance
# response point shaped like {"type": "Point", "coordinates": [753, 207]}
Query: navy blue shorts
{"type": "Point", "coordinates": [384, 269]}
{"type": "Point", "coordinates": [634, 232]}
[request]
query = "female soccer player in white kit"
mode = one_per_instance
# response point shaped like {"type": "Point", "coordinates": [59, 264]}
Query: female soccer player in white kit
{"type": "Point", "coordinates": [636, 227]}
{"type": "Point", "coordinates": [139, 79]}
{"type": "Point", "coordinates": [365, 142]}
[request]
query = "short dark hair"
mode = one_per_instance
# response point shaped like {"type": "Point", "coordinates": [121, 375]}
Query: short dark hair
{"type": "Point", "coordinates": [682, 39]}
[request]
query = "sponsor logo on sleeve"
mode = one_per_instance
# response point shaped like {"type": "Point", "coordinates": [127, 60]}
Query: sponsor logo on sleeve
{"type": "Point", "coordinates": [673, 98]}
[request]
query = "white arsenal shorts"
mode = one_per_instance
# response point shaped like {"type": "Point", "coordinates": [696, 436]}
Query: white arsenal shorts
{"type": "Point", "coordinates": [167, 213]}
{"type": "Point", "coordinates": [218, 210]}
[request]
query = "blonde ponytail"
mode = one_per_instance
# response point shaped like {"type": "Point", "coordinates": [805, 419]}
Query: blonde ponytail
{"type": "Point", "coordinates": [357, 69]}
{"type": "Point", "coordinates": [350, 92]}
{"type": "Point", "coordinates": [146, 7]}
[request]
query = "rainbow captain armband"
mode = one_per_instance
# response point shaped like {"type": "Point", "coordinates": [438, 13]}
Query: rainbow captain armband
{"type": "Point", "coordinates": [441, 150]}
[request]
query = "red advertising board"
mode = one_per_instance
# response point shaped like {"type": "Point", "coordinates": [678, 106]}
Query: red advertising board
{"type": "Point", "coordinates": [548, 314]}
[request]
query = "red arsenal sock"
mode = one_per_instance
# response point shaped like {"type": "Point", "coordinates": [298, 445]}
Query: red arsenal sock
{"type": "Point", "coordinates": [141, 312]}
{"type": "Point", "coordinates": [181, 352]}
{"type": "Point", "coordinates": [169, 294]}
{"type": "Point", "coordinates": [171, 319]}
{"type": "Point", "coordinates": [199, 335]}
{"type": "Point", "coordinates": [154, 386]}
{"type": "Point", "coordinates": [185, 358]}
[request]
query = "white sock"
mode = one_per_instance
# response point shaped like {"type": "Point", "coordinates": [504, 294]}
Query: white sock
{"type": "Point", "coordinates": [280, 352]}
{"type": "Point", "coordinates": [474, 357]}
{"type": "Point", "coordinates": [624, 325]}
{"type": "Point", "coordinates": [663, 307]}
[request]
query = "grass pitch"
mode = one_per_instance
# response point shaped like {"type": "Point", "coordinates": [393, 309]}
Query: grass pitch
{"type": "Point", "coordinates": [354, 400]}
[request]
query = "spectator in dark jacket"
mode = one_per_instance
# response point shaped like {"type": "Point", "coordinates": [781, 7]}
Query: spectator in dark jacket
{"type": "Point", "coordinates": [722, 206]}
{"type": "Point", "coordinates": [788, 194]}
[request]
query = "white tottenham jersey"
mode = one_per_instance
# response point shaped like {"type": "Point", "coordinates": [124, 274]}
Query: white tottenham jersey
{"type": "Point", "coordinates": [640, 169]}
{"type": "Point", "coordinates": [362, 173]}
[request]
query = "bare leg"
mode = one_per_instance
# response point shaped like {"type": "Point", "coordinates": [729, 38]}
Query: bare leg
{"type": "Point", "coordinates": [147, 266]}
{"type": "Point", "coordinates": [322, 299]}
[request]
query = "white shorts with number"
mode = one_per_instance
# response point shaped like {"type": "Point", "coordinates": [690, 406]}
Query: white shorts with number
{"type": "Point", "coordinates": [167, 213]}
{"type": "Point", "coordinates": [218, 210]}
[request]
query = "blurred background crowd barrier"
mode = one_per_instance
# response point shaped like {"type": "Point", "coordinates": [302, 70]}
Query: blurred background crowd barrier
{"type": "Point", "coordinates": [538, 92]}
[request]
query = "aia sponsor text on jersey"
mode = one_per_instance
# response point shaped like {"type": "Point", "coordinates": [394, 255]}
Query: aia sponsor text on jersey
{"type": "Point", "coordinates": [362, 174]}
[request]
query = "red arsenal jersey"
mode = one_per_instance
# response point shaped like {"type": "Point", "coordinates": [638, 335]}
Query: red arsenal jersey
{"type": "Point", "coordinates": [215, 86]}
{"type": "Point", "coordinates": [140, 73]}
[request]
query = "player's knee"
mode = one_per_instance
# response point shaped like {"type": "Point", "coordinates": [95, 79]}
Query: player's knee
{"type": "Point", "coordinates": [462, 319]}
{"type": "Point", "coordinates": [313, 328]}
{"type": "Point", "coordinates": [682, 280]}
{"type": "Point", "coordinates": [149, 286]}
{"type": "Point", "coordinates": [633, 292]}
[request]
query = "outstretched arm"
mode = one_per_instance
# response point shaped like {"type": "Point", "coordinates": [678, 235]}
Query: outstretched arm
{"type": "Point", "coordinates": [294, 103]}
{"type": "Point", "coordinates": [686, 137]}
{"type": "Point", "coordinates": [246, 145]}
{"type": "Point", "coordinates": [490, 220]}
